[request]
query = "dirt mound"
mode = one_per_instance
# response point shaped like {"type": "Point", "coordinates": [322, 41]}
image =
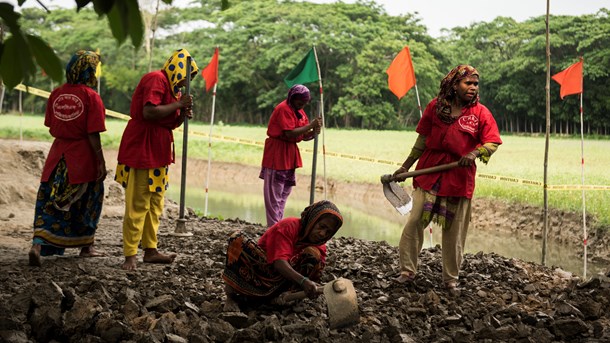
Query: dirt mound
{"type": "Point", "coordinates": [71, 299]}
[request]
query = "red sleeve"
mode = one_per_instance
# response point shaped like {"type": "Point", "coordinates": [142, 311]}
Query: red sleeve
{"type": "Point", "coordinates": [96, 115]}
{"type": "Point", "coordinates": [489, 128]}
{"type": "Point", "coordinates": [424, 127]}
{"type": "Point", "coordinates": [279, 241]}
{"type": "Point", "coordinates": [153, 90]}
{"type": "Point", "coordinates": [280, 121]}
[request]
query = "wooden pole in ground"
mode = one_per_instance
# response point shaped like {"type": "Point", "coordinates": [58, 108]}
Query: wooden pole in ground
{"type": "Point", "coordinates": [547, 134]}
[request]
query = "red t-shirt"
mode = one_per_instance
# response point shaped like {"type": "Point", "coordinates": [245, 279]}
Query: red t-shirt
{"type": "Point", "coordinates": [280, 241]}
{"type": "Point", "coordinates": [73, 112]}
{"type": "Point", "coordinates": [145, 143]}
{"type": "Point", "coordinates": [446, 143]}
{"type": "Point", "coordinates": [282, 153]}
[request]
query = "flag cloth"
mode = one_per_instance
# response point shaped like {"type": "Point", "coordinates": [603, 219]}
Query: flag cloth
{"type": "Point", "coordinates": [98, 70]}
{"type": "Point", "coordinates": [570, 80]}
{"type": "Point", "coordinates": [210, 72]}
{"type": "Point", "coordinates": [305, 72]}
{"type": "Point", "coordinates": [401, 76]}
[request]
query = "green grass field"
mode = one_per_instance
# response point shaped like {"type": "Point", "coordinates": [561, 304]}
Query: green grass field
{"type": "Point", "coordinates": [519, 157]}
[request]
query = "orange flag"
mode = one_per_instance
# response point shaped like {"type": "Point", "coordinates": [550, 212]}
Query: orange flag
{"type": "Point", "coordinates": [210, 72]}
{"type": "Point", "coordinates": [401, 76]}
{"type": "Point", "coordinates": [570, 79]}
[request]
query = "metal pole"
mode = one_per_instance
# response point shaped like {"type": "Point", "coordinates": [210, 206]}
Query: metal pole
{"type": "Point", "coordinates": [181, 222]}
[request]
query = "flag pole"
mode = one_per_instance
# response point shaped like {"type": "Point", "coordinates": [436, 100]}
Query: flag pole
{"type": "Point", "coordinates": [323, 123]}
{"type": "Point", "coordinates": [582, 175]}
{"type": "Point", "coordinates": [547, 88]}
{"type": "Point", "coordinates": [181, 221]}
{"type": "Point", "coordinates": [421, 115]}
{"type": "Point", "coordinates": [207, 179]}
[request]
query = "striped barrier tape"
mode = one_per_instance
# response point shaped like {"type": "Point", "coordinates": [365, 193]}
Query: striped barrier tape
{"type": "Point", "coordinates": [45, 94]}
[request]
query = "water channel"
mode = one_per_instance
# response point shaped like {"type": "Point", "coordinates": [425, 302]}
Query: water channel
{"type": "Point", "coordinates": [365, 221]}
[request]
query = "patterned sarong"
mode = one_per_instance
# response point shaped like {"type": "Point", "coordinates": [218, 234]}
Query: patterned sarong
{"type": "Point", "coordinates": [66, 216]}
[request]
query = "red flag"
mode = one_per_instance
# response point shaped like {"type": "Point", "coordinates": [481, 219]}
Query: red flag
{"type": "Point", "coordinates": [401, 76]}
{"type": "Point", "coordinates": [210, 72]}
{"type": "Point", "coordinates": [570, 79]}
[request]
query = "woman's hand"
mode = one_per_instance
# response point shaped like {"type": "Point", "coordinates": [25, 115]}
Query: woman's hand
{"type": "Point", "coordinates": [468, 159]}
{"type": "Point", "coordinates": [310, 288]}
{"type": "Point", "coordinates": [101, 170]}
{"type": "Point", "coordinates": [316, 125]}
{"type": "Point", "coordinates": [186, 106]}
{"type": "Point", "coordinates": [399, 171]}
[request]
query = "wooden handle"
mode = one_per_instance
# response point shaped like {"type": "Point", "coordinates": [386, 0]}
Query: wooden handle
{"type": "Point", "coordinates": [430, 170]}
{"type": "Point", "coordinates": [290, 296]}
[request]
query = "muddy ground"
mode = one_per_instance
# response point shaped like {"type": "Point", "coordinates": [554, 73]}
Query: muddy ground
{"type": "Point", "coordinates": [71, 299]}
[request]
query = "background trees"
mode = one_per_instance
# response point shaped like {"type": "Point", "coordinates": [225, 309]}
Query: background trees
{"type": "Point", "coordinates": [262, 40]}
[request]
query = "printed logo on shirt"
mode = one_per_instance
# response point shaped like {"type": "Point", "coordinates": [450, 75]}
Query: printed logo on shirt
{"type": "Point", "coordinates": [67, 107]}
{"type": "Point", "coordinates": [469, 123]}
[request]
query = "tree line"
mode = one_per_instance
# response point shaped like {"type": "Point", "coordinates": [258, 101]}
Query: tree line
{"type": "Point", "coordinates": [261, 41]}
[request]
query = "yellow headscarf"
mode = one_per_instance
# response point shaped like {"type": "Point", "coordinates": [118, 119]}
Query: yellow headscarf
{"type": "Point", "coordinates": [175, 68]}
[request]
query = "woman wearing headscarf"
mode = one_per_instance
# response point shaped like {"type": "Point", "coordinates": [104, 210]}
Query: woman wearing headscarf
{"type": "Point", "coordinates": [288, 125]}
{"type": "Point", "coordinates": [71, 192]}
{"type": "Point", "coordinates": [290, 254]}
{"type": "Point", "coordinates": [454, 127]}
{"type": "Point", "coordinates": [147, 150]}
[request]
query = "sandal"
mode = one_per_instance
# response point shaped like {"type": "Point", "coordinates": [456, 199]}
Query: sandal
{"type": "Point", "coordinates": [405, 277]}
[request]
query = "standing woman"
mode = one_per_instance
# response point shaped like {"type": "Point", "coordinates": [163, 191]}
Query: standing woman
{"type": "Point", "coordinates": [454, 127]}
{"type": "Point", "coordinates": [71, 192]}
{"type": "Point", "coordinates": [288, 125]}
{"type": "Point", "coordinates": [147, 150]}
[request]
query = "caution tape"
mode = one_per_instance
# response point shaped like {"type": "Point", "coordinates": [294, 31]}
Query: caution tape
{"type": "Point", "coordinates": [42, 93]}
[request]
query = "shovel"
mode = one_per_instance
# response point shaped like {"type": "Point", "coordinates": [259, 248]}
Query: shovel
{"type": "Point", "coordinates": [397, 196]}
{"type": "Point", "coordinates": [341, 301]}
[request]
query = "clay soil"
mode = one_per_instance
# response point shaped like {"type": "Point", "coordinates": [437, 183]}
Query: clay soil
{"type": "Point", "coordinates": [72, 299]}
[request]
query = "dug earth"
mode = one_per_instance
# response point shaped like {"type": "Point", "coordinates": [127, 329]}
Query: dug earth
{"type": "Point", "coordinates": [72, 299]}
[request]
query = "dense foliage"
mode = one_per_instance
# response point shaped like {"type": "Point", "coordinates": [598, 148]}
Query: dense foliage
{"type": "Point", "coordinates": [260, 41]}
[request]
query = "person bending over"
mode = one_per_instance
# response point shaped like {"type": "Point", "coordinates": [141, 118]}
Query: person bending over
{"type": "Point", "coordinates": [289, 255]}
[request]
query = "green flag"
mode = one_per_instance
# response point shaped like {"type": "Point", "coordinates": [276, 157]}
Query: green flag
{"type": "Point", "coordinates": [305, 72]}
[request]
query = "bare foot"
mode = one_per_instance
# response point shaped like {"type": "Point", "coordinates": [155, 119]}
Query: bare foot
{"type": "Point", "coordinates": [405, 277]}
{"type": "Point", "coordinates": [152, 255]}
{"type": "Point", "coordinates": [34, 256]}
{"type": "Point", "coordinates": [231, 305]}
{"type": "Point", "coordinates": [130, 263]}
{"type": "Point", "coordinates": [90, 252]}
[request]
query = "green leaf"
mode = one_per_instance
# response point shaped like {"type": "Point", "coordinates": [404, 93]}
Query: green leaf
{"type": "Point", "coordinates": [9, 16]}
{"type": "Point", "coordinates": [134, 20]}
{"type": "Point", "coordinates": [118, 28]}
{"type": "Point", "coordinates": [16, 63]}
{"type": "Point", "coordinates": [102, 6]}
{"type": "Point", "coordinates": [81, 3]}
{"type": "Point", "coordinates": [46, 58]}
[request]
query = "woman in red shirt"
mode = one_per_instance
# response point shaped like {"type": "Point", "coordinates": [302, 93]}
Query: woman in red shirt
{"type": "Point", "coordinates": [71, 191]}
{"type": "Point", "coordinates": [292, 252]}
{"type": "Point", "coordinates": [454, 127]}
{"type": "Point", "coordinates": [145, 153]}
{"type": "Point", "coordinates": [288, 125]}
